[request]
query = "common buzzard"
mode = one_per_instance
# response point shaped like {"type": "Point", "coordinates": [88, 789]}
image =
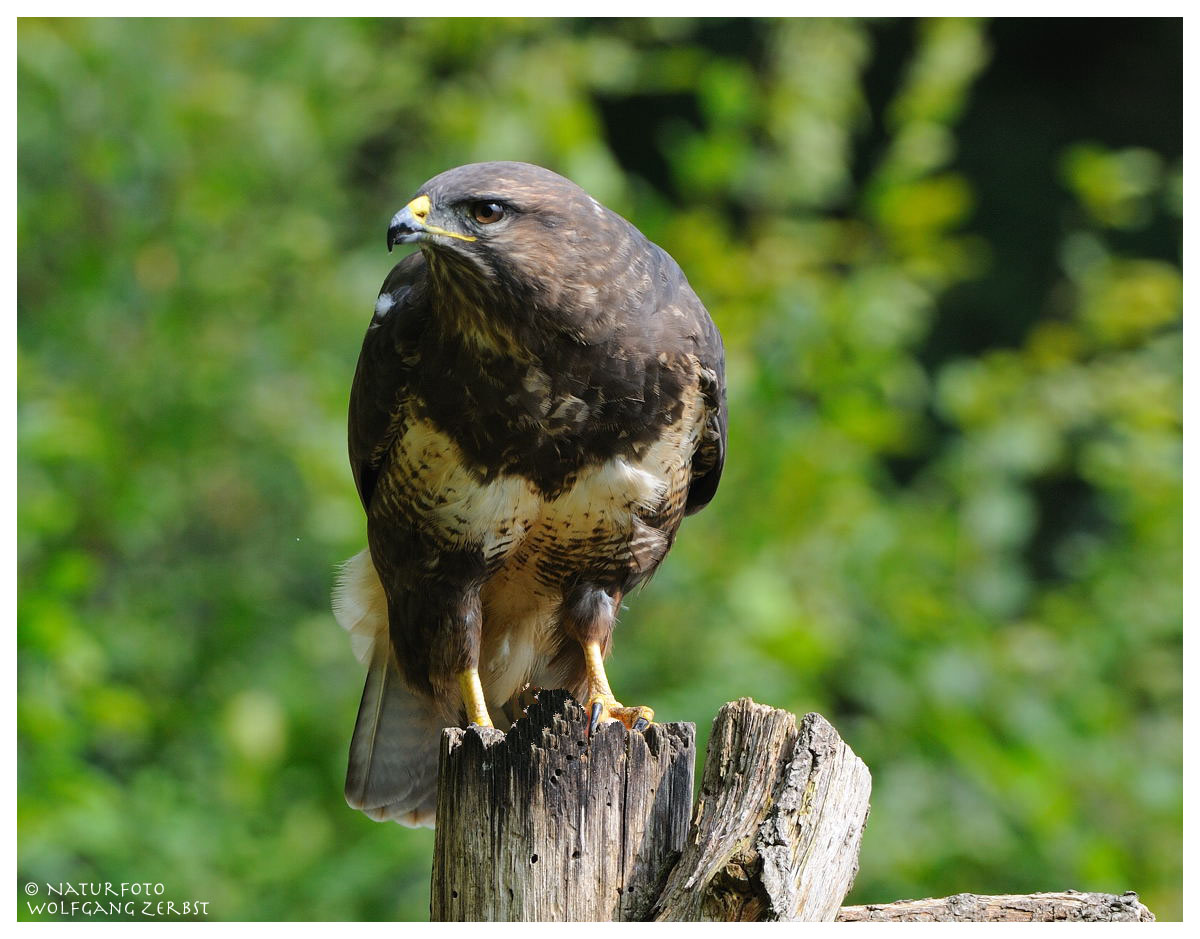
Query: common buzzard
{"type": "Point", "coordinates": [539, 400]}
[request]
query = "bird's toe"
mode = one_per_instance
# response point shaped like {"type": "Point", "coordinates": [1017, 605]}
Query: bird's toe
{"type": "Point", "coordinates": [602, 709]}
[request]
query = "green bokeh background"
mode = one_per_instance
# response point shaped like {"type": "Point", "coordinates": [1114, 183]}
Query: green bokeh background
{"type": "Point", "coordinates": [945, 257]}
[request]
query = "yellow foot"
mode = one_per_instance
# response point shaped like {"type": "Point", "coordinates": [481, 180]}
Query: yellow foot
{"type": "Point", "coordinates": [472, 695]}
{"type": "Point", "coordinates": [603, 708]}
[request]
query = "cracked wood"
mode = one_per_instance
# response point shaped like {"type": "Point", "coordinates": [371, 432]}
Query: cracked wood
{"type": "Point", "coordinates": [545, 825]}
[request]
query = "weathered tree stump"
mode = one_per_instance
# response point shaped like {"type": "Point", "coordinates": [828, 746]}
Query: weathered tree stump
{"type": "Point", "coordinates": [546, 825]}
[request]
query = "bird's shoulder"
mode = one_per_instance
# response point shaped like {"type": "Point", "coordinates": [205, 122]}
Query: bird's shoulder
{"type": "Point", "coordinates": [704, 346]}
{"type": "Point", "coordinates": [385, 367]}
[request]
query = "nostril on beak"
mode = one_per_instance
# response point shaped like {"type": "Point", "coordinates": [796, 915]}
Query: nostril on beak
{"type": "Point", "coordinates": [420, 208]}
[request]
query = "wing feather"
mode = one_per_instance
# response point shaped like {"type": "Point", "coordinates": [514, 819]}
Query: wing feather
{"type": "Point", "coordinates": [385, 363]}
{"type": "Point", "coordinates": [709, 459]}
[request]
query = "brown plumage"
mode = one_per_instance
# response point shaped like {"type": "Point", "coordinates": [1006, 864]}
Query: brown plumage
{"type": "Point", "coordinates": [538, 403]}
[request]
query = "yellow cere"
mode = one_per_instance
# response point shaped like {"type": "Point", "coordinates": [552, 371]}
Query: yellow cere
{"type": "Point", "coordinates": [420, 207]}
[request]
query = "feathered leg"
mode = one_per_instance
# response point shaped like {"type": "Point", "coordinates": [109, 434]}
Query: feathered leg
{"type": "Point", "coordinates": [589, 614]}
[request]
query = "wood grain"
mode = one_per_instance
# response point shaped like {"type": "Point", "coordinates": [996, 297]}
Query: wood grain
{"type": "Point", "coordinates": [778, 825]}
{"type": "Point", "coordinates": [545, 825]}
{"type": "Point", "coordinates": [1067, 906]}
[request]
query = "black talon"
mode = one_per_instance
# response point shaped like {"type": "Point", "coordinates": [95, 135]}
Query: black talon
{"type": "Point", "coordinates": [595, 720]}
{"type": "Point", "coordinates": [641, 724]}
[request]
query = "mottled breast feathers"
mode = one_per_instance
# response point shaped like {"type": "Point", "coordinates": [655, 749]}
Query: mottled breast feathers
{"type": "Point", "coordinates": [544, 417]}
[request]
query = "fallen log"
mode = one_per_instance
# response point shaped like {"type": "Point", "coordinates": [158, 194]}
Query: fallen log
{"type": "Point", "coordinates": [1070, 906]}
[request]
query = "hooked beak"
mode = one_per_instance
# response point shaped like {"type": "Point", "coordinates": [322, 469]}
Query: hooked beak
{"type": "Point", "coordinates": [411, 224]}
{"type": "Point", "coordinates": [408, 224]}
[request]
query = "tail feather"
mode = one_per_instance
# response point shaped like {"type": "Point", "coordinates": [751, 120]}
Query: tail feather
{"type": "Point", "coordinates": [392, 772]}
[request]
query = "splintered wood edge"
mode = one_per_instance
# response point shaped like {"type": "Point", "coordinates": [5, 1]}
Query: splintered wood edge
{"type": "Point", "coordinates": [778, 825]}
{"type": "Point", "coordinates": [810, 839]}
{"type": "Point", "coordinates": [731, 803]}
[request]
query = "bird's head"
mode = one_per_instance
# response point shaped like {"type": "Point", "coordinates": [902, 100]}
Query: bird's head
{"type": "Point", "coordinates": [514, 236]}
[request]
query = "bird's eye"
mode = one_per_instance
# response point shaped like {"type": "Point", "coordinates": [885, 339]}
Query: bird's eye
{"type": "Point", "coordinates": [486, 213]}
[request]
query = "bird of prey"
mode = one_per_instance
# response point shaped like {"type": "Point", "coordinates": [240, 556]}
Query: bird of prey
{"type": "Point", "coordinates": [539, 400]}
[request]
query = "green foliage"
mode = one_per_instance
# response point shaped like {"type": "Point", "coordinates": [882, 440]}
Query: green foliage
{"type": "Point", "coordinates": [970, 560]}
